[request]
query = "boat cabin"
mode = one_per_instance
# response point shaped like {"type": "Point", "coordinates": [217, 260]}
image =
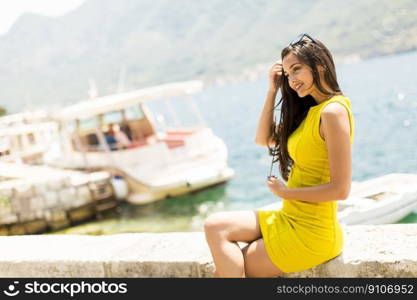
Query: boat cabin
{"type": "Point", "coordinates": [122, 121]}
{"type": "Point", "coordinates": [125, 128]}
{"type": "Point", "coordinates": [27, 143]}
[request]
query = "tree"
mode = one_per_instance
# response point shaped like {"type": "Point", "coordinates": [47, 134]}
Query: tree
{"type": "Point", "coordinates": [3, 111]}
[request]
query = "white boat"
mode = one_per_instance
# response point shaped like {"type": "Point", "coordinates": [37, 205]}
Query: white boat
{"type": "Point", "coordinates": [382, 200]}
{"type": "Point", "coordinates": [25, 137]}
{"type": "Point", "coordinates": [156, 163]}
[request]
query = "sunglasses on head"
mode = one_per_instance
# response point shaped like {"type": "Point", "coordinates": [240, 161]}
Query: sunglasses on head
{"type": "Point", "coordinates": [300, 38]}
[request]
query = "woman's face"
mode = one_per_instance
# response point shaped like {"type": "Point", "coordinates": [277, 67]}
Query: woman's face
{"type": "Point", "coordinates": [299, 75]}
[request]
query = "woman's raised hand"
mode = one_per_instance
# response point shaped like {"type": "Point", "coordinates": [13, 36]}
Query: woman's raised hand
{"type": "Point", "coordinates": [275, 73]}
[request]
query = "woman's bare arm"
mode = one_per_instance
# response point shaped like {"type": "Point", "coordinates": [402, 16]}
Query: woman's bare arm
{"type": "Point", "coordinates": [263, 131]}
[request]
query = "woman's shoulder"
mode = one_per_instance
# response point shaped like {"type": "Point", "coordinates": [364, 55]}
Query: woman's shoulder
{"type": "Point", "coordinates": [338, 109]}
{"type": "Point", "coordinates": [333, 106]}
{"type": "Point", "coordinates": [342, 98]}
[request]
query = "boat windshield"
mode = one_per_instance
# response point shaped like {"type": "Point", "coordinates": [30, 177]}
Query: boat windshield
{"type": "Point", "coordinates": [115, 130]}
{"type": "Point", "coordinates": [111, 117]}
{"type": "Point", "coordinates": [134, 112]}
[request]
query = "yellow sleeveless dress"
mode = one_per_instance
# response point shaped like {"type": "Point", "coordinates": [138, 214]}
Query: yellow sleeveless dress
{"type": "Point", "coordinates": [302, 235]}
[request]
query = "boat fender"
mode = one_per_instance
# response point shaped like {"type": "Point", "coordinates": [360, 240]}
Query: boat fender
{"type": "Point", "coordinates": [120, 187]}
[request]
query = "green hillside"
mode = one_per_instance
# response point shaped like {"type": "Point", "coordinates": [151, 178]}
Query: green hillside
{"type": "Point", "coordinates": [49, 61]}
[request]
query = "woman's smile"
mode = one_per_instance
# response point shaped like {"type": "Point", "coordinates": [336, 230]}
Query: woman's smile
{"type": "Point", "coordinates": [298, 87]}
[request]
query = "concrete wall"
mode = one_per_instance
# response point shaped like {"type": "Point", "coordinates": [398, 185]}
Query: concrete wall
{"type": "Point", "coordinates": [370, 251]}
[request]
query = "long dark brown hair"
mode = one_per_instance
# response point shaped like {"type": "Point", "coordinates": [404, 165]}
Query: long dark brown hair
{"type": "Point", "coordinates": [293, 108]}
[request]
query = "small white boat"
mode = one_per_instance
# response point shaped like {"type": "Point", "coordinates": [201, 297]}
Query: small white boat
{"type": "Point", "coordinates": [25, 137]}
{"type": "Point", "coordinates": [382, 200]}
{"type": "Point", "coordinates": [156, 163]}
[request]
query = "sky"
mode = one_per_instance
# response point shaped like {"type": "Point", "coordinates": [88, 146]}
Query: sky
{"type": "Point", "coordinates": [10, 10]}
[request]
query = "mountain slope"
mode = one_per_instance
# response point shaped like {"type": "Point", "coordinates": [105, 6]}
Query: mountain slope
{"type": "Point", "coordinates": [49, 61]}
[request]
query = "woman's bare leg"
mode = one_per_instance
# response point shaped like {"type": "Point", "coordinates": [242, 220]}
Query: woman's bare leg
{"type": "Point", "coordinates": [257, 261]}
{"type": "Point", "coordinates": [223, 230]}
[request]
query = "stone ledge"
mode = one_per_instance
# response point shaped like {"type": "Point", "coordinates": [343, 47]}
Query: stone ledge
{"type": "Point", "coordinates": [370, 251]}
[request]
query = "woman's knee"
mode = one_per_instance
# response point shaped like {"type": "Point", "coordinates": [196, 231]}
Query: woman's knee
{"type": "Point", "coordinates": [234, 226]}
{"type": "Point", "coordinates": [215, 223]}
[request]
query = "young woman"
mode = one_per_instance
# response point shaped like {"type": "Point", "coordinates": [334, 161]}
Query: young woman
{"type": "Point", "coordinates": [312, 142]}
